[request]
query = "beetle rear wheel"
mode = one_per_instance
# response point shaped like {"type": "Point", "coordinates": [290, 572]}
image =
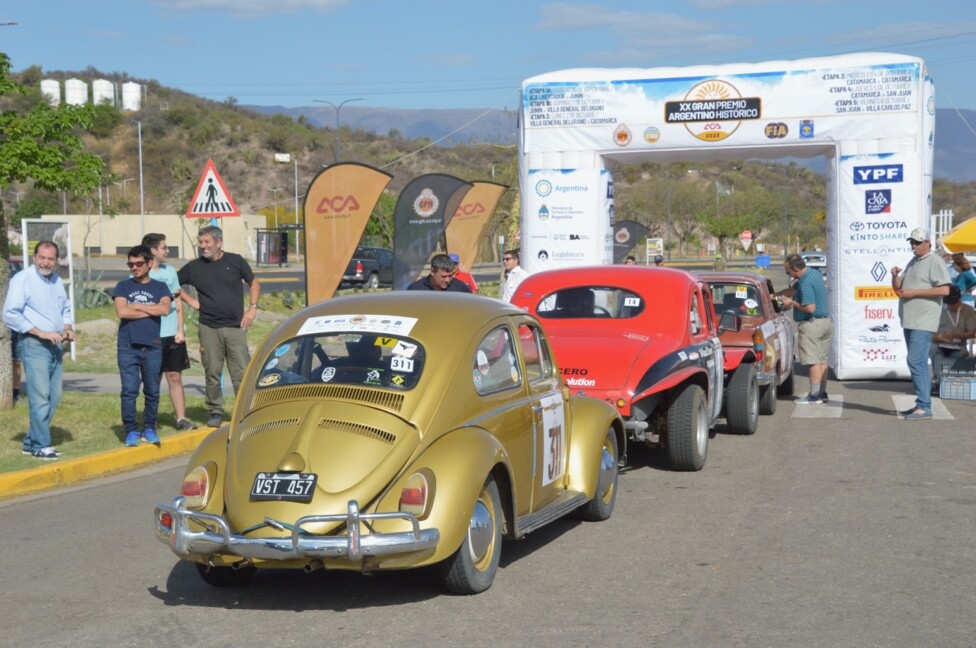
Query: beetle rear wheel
{"type": "Point", "coordinates": [688, 429]}
{"type": "Point", "coordinates": [225, 576]}
{"type": "Point", "coordinates": [472, 568]}
{"type": "Point", "coordinates": [601, 506]}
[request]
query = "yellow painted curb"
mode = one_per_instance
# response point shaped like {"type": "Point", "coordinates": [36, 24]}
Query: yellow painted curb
{"type": "Point", "coordinates": [64, 472]}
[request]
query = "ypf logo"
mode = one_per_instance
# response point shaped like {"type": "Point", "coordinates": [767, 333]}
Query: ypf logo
{"type": "Point", "coordinates": [879, 174]}
{"type": "Point", "coordinates": [337, 205]}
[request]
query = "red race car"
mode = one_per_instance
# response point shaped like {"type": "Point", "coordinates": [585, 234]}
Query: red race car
{"type": "Point", "coordinates": [643, 339]}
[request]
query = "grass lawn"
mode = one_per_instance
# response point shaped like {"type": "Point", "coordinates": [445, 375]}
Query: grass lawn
{"type": "Point", "coordinates": [86, 423]}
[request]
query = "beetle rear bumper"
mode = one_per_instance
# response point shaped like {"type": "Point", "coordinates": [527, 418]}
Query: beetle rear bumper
{"type": "Point", "coordinates": [217, 537]}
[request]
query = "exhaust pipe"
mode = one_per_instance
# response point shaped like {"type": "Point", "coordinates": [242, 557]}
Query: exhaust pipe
{"type": "Point", "coordinates": [313, 565]}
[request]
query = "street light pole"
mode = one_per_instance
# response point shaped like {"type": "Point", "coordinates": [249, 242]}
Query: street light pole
{"type": "Point", "coordinates": [274, 196]}
{"type": "Point", "coordinates": [142, 195]}
{"type": "Point", "coordinates": [337, 109]}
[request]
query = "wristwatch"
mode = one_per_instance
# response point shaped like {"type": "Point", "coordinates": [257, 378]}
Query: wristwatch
{"type": "Point", "coordinates": [255, 306]}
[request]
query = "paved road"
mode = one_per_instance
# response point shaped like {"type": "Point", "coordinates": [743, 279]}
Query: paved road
{"type": "Point", "coordinates": [832, 526]}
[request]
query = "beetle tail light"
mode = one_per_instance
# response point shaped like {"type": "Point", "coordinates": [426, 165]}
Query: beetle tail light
{"type": "Point", "coordinates": [415, 496]}
{"type": "Point", "coordinates": [195, 488]}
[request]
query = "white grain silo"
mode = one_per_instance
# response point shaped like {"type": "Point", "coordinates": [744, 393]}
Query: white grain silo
{"type": "Point", "coordinates": [51, 90]}
{"type": "Point", "coordinates": [103, 92]}
{"type": "Point", "coordinates": [131, 96]}
{"type": "Point", "coordinates": [75, 92]}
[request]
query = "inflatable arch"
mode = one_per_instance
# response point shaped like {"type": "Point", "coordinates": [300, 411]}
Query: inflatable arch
{"type": "Point", "coordinates": [871, 115]}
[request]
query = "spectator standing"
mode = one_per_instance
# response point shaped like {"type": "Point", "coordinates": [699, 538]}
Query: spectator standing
{"type": "Point", "coordinates": [461, 275]}
{"type": "Point", "coordinates": [514, 274]}
{"type": "Point", "coordinates": [441, 277]}
{"type": "Point", "coordinates": [38, 309]}
{"type": "Point", "coordinates": [172, 334]}
{"type": "Point", "coordinates": [217, 277]}
{"type": "Point", "coordinates": [658, 260]}
{"type": "Point", "coordinates": [630, 260]}
{"type": "Point", "coordinates": [140, 303]}
{"type": "Point", "coordinates": [920, 288]}
{"type": "Point", "coordinates": [815, 330]}
{"type": "Point", "coordinates": [720, 263]}
{"type": "Point", "coordinates": [957, 326]}
{"type": "Point", "coordinates": [965, 278]}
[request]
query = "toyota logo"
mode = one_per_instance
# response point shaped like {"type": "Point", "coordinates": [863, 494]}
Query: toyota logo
{"type": "Point", "coordinates": [857, 226]}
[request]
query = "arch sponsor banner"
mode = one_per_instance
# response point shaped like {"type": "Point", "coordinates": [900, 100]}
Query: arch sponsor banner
{"type": "Point", "coordinates": [338, 204]}
{"type": "Point", "coordinates": [471, 219]}
{"type": "Point", "coordinates": [781, 102]}
{"type": "Point", "coordinates": [566, 219]}
{"type": "Point", "coordinates": [872, 115]}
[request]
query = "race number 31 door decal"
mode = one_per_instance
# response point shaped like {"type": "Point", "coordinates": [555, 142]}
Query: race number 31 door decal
{"type": "Point", "coordinates": [554, 439]}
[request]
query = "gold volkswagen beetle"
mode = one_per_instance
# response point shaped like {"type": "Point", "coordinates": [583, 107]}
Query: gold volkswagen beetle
{"type": "Point", "coordinates": [392, 431]}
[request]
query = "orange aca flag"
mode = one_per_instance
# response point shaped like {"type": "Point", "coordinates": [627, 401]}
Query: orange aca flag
{"type": "Point", "coordinates": [337, 207]}
{"type": "Point", "coordinates": [471, 219]}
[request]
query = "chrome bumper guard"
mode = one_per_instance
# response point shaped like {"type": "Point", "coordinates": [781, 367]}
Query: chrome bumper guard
{"type": "Point", "coordinates": [354, 546]}
{"type": "Point", "coordinates": [766, 378]}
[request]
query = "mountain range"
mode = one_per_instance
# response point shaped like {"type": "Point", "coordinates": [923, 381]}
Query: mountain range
{"type": "Point", "coordinates": [955, 133]}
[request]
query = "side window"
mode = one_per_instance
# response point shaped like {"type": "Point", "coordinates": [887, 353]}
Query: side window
{"type": "Point", "coordinates": [694, 317]}
{"type": "Point", "coordinates": [536, 353]}
{"type": "Point", "coordinates": [495, 367]}
{"type": "Point", "coordinates": [709, 309]}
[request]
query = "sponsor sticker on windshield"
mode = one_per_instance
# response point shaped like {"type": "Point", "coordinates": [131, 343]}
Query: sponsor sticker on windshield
{"type": "Point", "coordinates": [389, 324]}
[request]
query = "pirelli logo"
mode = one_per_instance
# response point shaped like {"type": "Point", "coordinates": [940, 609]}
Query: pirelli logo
{"type": "Point", "coordinates": [871, 293]}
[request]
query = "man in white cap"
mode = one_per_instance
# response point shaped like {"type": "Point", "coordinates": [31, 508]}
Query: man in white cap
{"type": "Point", "coordinates": [920, 288]}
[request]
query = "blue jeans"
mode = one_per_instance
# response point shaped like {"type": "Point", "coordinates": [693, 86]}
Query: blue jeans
{"type": "Point", "coordinates": [919, 342]}
{"type": "Point", "coordinates": [43, 368]}
{"type": "Point", "coordinates": [139, 364]}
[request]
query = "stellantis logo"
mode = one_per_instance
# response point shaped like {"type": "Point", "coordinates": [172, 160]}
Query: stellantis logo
{"type": "Point", "coordinates": [883, 173]}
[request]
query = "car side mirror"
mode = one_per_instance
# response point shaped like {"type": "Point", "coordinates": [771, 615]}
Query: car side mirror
{"type": "Point", "coordinates": [730, 322]}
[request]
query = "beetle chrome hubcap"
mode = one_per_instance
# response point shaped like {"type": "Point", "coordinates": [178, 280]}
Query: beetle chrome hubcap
{"type": "Point", "coordinates": [480, 532]}
{"type": "Point", "coordinates": [608, 467]}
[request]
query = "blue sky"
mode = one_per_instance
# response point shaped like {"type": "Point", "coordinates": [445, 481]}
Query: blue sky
{"type": "Point", "coordinates": [439, 54]}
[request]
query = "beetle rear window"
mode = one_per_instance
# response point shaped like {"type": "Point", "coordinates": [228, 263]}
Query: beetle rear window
{"type": "Point", "coordinates": [344, 358]}
{"type": "Point", "coordinates": [591, 302]}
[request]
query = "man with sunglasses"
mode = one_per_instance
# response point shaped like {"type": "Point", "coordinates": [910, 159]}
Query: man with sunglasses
{"type": "Point", "coordinates": [920, 289]}
{"type": "Point", "coordinates": [514, 274]}
{"type": "Point", "coordinates": [140, 303]}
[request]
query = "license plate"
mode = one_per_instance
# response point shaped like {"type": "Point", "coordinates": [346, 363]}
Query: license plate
{"type": "Point", "coordinates": [291, 487]}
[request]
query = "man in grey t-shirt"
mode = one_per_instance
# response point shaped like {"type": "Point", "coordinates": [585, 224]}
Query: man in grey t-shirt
{"type": "Point", "coordinates": [920, 289]}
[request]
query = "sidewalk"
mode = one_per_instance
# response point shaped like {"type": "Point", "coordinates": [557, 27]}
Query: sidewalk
{"type": "Point", "coordinates": [65, 472]}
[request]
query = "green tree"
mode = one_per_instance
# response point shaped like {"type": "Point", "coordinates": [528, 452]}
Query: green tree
{"type": "Point", "coordinates": [41, 145]}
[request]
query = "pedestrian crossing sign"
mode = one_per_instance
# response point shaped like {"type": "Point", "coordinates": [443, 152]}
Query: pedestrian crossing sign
{"type": "Point", "coordinates": [211, 199]}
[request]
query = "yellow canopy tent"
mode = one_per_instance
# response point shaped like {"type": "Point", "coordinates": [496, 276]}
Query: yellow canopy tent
{"type": "Point", "coordinates": [962, 237]}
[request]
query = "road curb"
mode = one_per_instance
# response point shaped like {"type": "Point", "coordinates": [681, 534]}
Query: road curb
{"type": "Point", "coordinates": [65, 472]}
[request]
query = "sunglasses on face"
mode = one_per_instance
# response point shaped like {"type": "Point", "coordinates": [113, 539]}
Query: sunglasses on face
{"type": "Point", "coordinates": [508, 258]}
{"type": "Point", "coordinates": [916, 243]}
{"type": "Point", "coordinates": [135, 264]}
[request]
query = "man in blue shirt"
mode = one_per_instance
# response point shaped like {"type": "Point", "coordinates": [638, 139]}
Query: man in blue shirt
{"type": "Point", "coordinates": [816, 331]}
{"type": "Point", "coordinates": [38, 309]}
{"type": "Point", "coordinates": [140, 302]}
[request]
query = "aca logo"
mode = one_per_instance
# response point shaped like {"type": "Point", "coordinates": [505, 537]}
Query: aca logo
{"type": "Point", "coordinates": [337, 204]}
{"type": "Point", "coordinates": [879, 174]}
{"type": "Point", "coordinates": [877, 201]}
{"type": "Point", "coordinates": [468, 210]}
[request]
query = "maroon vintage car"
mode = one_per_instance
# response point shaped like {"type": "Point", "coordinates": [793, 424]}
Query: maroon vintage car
{"type": "Point", "coordinates": [762, 349]}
